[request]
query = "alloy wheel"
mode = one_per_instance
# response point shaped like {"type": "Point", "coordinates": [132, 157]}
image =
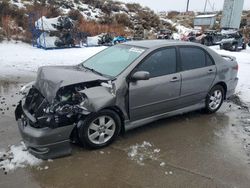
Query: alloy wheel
{"type": "Point", "coordinates": [101, 129]}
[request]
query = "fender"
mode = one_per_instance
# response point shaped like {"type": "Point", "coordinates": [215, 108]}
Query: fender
{"type": "Point", "coordinates": [97, 98]}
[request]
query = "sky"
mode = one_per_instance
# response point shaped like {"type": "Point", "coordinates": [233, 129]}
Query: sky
{"type": "Point", "coordinates": [180, 5]}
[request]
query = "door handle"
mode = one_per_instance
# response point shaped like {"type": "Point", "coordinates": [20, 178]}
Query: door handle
{"type": "Point", "coordinates": [210, 71]}
{"type": "Point", "coordinates": [174, 79]}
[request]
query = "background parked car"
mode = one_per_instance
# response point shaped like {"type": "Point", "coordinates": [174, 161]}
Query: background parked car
{"type": "Point", "coordinates": [233, 41]}
{"type": "Point", "coordinates": [119, 39]}
{"type": "Point", "coordinates": [164, 34]}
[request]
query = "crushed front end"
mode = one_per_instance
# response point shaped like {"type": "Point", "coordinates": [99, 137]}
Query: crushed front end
{"type": "Point", "coordinates": [53, 105]}
{"type": "Point", "coordinates": [45, 132]}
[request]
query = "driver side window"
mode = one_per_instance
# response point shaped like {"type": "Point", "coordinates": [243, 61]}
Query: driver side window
{"type": "Point", "coordinates": [160, 63]}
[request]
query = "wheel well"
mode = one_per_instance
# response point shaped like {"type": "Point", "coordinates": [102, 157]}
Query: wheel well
{"type": "Point", "coordinates": [121, 115]}
{"type": "Point", "coordinates": [74, 134]}
{"type": "Point", "coordinates": [223, 84]}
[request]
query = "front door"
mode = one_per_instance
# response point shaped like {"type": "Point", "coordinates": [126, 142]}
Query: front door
{"type": "Point", "coordinates": [160, 93]}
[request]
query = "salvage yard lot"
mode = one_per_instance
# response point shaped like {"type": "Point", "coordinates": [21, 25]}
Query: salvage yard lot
{"type": "Point", "coordinates": [192, 150]}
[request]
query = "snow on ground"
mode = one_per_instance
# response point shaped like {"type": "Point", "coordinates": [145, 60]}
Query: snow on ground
{"type": "Point", "coordinates": [243, 59]}
{"type": "Point", "coordinates": [143, 152]}
{"type": "Point", "coordinates": [17, 157]}
{"type": "Point", "coordinates": [22, 59]}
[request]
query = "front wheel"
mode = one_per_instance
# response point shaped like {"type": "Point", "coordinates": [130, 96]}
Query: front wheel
{"type": "Point", "coordinates": [99, 129]}
{"type": "Point", "coordinates": [214, 99]}
{"type": "Point", "coordinates": [244, 46]}
{"type": "Point", "coordinates": [235, 47]}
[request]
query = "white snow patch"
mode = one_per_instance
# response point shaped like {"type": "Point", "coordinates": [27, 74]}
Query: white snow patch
{"type": "Point", "coordinates": [157, 150]}
{"type": "Point", "coordinates": [23, 59]}
{"type": "Point", "coordinates": [143, 152]}
{"type": "Point", "coordinates": [17, 157]}
{"type": "Point", "coordinates": [18, 3]}
{"type": "Point", "coordinates": [46, 168]}
{"type": "Point", "coordinates": [162, 164]}
{"type": "Point", "coordinates": [168, 173]}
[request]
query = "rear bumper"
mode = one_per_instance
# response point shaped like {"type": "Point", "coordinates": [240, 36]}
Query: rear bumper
{"type": "Point", "coordinates": [44, 143]}
{"type": "Point", "coordinates": [231, 87]}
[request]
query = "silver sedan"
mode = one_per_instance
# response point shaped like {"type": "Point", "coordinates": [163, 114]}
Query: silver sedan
{"type": "Point", "coordinates": [120, 88]}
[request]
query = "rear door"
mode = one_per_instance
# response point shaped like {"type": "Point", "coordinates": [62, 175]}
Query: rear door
{"type": "Point", "coordinates": [158, 94]}
{"type": "Point", "coordinates": [198, 72]}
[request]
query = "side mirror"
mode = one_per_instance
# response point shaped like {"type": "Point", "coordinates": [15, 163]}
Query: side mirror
{"type": "Point", "coordinates": [140, 75]}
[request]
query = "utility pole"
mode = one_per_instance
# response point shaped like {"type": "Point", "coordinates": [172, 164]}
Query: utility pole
{"type": "Point", "coordinates": [205, 6]}
{"type": "Point", "coordinates": [187, 5]}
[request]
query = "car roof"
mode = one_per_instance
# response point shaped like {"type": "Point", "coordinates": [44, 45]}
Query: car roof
{"type": "Point", "coordinates": [159, 43]}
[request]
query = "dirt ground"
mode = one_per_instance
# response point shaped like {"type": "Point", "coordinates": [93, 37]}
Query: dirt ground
{"type": "Point", "coordinates": [193, 150]}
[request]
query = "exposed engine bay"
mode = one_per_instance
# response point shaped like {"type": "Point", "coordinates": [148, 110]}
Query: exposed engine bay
{"type": "Point", "coordinates": [67, 107]}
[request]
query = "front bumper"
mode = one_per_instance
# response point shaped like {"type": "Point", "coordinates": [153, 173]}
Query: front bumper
{"type": "Point", "coordinates": [44, 143]}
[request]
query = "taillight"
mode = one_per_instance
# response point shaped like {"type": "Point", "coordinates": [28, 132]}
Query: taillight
{"type": "Point", "coordinates": [236, 67]}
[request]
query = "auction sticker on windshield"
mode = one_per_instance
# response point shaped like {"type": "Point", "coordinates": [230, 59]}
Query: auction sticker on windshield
{"type": "Point", "coordinates": [136, 50]}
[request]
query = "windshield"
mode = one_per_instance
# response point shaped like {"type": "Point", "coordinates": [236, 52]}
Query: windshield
{"type": "Point", "coordinates": [113, 60]}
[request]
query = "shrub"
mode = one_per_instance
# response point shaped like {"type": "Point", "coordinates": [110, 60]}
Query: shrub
{"type": "Point", "coordinates": [123, 19]}
{"type": "Point", "coordinates": [95, 28]}
{"type": "Point", "coordinates": [75, 15]}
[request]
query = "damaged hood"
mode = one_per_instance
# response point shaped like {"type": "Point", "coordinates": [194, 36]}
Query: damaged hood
{"type": "Point", "coordinates": [51, 78]}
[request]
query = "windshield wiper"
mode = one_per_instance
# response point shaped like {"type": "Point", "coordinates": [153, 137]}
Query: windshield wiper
{"type": "Point", "coordinates": [92, 70]}
{"type": "Point", "coordinates": [96, 72]}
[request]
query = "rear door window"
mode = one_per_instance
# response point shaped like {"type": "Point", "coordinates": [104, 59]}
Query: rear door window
{"type": "Point", "coordinates": [192, 58]}
{"type": "Point", "coordinates": [210, 61]}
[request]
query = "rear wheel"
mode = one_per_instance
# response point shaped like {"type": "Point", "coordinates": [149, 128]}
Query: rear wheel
{"type": "Point", "coordinates": [99, 129]}
{"type": "Point", "coordinates": [214, 99]}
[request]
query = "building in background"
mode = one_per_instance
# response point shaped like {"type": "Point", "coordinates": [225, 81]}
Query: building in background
{"type": "Point", "coordinates": [231, 16]}
{"type": "Point", "coordinates": [204, 22]}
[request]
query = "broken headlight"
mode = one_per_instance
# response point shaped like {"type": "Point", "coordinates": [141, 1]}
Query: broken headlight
{"type": "Point", "coordinates": [24, 90]}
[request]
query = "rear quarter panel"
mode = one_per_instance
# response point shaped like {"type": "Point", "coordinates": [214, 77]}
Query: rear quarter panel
{"type": "Point", "coordinates": [226, 72]}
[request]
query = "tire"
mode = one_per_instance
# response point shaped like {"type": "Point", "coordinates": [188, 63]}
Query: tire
{"type": "Point", "coordinates": [244, 46]}
{"type": "Point", "coordinates": [235, 47]}
{"type": "Point", "coordinates": [99, 129]}
{"type": "Point", "coordinates": [214, 99]}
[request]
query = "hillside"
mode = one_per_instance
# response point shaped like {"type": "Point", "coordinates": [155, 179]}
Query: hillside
{"type": "Point", "coordinates": [94, 17]}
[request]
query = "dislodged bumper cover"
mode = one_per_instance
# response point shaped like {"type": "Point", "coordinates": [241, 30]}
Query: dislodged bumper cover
{"type": "Point", "coordinates": [44, 143]}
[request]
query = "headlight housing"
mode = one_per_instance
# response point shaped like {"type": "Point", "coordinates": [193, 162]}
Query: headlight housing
{"type": "Point", "coordinates": [24, 90]}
